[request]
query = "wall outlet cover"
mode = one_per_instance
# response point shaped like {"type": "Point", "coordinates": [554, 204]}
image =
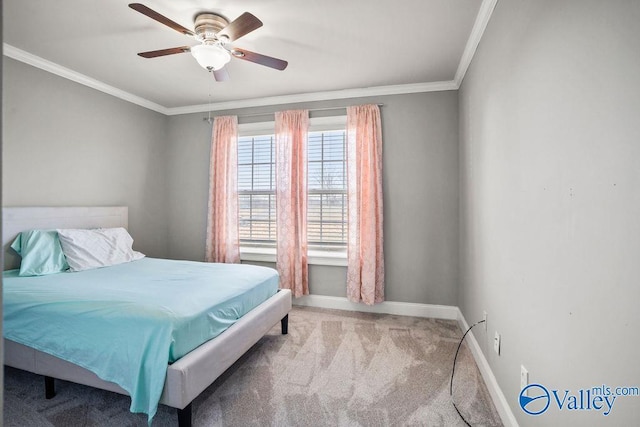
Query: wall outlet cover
{"type": "Point", "coordinates": [524, 377]}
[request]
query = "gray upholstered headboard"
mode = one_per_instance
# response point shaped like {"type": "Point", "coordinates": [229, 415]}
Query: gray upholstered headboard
{"type": "Point", "coordinates": [15, 220]}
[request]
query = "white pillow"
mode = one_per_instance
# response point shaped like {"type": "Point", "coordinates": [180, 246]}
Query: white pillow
{"type": "Point", "coordinates": [101, 247]}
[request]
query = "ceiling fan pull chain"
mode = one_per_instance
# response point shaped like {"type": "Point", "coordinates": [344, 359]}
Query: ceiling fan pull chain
{"type": "Point", "coordinates": [209, 118]}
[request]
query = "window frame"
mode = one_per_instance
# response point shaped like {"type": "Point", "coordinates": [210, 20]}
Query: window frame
{"type": "Point", "coordinates": [317, 255]}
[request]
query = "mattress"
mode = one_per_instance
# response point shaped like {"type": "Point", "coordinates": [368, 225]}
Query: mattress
{"type": "Point", "coordinates": [125, 323]}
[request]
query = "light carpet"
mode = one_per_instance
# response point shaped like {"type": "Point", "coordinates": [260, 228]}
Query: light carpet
{"type": "Point", "coordinates": [334, 368]}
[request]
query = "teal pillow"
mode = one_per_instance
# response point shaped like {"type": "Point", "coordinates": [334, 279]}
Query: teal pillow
{"type": "Point", "coordinates": [41, 253]}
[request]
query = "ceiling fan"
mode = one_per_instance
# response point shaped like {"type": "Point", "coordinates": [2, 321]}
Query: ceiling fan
{"type": "Point", "coordinates": [215, 34]}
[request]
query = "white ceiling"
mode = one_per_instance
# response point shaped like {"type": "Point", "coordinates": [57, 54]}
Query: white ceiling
{"type": "Point", "coordinates": [331, 45]}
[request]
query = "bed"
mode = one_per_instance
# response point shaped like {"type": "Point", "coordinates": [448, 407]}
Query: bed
{"type": "Point", "coordinates": [190, 373]}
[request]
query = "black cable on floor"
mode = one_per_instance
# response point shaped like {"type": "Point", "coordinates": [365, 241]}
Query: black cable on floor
{"type": "Point", "coordinates": [455, 358]}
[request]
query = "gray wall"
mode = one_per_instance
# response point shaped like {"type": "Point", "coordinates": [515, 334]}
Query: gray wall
{"type": "Point", "coordinates": [550, 205]}
{"type": "Point", "coordinates": [420, 181]}
{"type": "Point", "coordinates": [68, 145]}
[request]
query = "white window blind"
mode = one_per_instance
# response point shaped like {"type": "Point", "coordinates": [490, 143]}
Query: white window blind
{"type": "Point", "coordinates": [326, 181]}
{"type": "Point", "coordinates": [327, 195]}
{"type": "Point", "coordinates": [256, 190]}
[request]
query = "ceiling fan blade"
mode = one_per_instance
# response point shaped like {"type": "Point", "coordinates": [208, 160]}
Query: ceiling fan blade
{"type": "Point", "coordinates": [243, 25]}
{"type": "Point", "coordinates": [164, 52]}
{"type": "Point", "coordinates": [258, 58]}
{"type": "Point", "coordinates": [160, 18]}
{"type": "Point", "coordinates": [221, 75]}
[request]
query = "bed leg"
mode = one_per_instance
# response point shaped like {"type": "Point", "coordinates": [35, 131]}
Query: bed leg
{"type": "Point", "coordinates": [284, 325]}
{"type": "Point", "coordinates": [49, 387]}
{"type": "Point", "coordinates": [184, 416]}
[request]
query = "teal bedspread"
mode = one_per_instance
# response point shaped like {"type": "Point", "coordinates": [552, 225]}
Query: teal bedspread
{"type": "Point", "coordinates": [125, 323]}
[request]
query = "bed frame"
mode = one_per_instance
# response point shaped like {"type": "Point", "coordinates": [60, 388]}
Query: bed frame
{"type": "Point", "coordinates": [188, 376]}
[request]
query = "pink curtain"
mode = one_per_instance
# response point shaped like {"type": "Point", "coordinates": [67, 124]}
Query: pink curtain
{"type": "Point", "coordinates": [291, 200]}
{"type": "Point", "coordinates": [223, 244]}
{"type": "Point", "coordinates": [365, 270]}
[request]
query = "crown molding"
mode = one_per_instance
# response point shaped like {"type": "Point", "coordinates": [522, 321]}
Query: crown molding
{"type": "Point", "coordinates": [52, 67]}
{"type": "Point", "coordinates": [316, 96]}
{"type": "Point", "coordinates": [482, 19]}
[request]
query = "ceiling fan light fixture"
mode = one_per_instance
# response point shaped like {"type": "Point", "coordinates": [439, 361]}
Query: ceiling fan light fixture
{"type": "Point", "coordinates": [210, 57]}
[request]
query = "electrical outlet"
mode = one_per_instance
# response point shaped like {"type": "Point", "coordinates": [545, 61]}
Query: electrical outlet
{"type": "Point", "coordinates": [496, 343]}
{"type": "Point", "coordinates": [484, 317]}
{"type": "Point", "coordinates": [524, 377]}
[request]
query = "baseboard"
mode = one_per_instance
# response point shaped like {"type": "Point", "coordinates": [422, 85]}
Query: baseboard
{"type": "Point", "coordinates": [499, 400]}
{"type": "Point", "coordinates": [387, 307]}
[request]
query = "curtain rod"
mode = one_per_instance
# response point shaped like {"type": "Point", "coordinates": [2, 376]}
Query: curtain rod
{"type": "Point", "coordinates": [267, 113]}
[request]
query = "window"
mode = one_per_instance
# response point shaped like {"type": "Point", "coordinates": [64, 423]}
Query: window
{"type": "Point", "coordinates": [326, 182]}
{"type": "Point", "coordinates": [256, 190]}
{"type": "Point", "coordinates": [327, 189]}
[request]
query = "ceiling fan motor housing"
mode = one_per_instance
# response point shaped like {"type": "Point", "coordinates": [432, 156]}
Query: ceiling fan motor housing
{"type": "Point", "coordinates": [207, 25]}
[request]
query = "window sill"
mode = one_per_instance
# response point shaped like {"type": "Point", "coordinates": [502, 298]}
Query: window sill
{"type": "Point", "coordinates": [315, 257]}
